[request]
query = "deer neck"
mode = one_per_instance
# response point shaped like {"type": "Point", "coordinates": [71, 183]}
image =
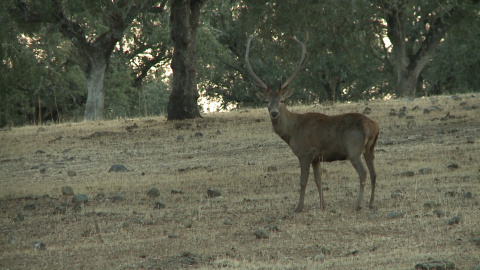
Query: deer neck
{"type": "Point", "coordinates": [284, 124]}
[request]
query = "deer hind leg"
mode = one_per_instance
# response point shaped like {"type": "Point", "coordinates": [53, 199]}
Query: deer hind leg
{"type": "Point", "coordinates": [305, 170]}
{"type": "Point", "coordinates": [318, 180]}
{"type": "Point", "coordinates": [362, 173]}
{"type": "Point", "coordinates": [368, 155]}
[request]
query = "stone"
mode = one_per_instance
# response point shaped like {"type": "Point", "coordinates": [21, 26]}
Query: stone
{"type": "Point", "coordinates": [434, 265]}
{"type": "Point", "coordinates": [425, 171]}
{"type": "Point", "coordinates": [367, 110]}
{"type": "Point", "coordinates": [393, 215]}
{"type": "Point", "coordinates": [80, 198]}
{"type": "Point", "coordinates": [18, 218]}
{"type": "Point", "coordinates": [31, 206]}
{"type": "Point", "coordinates": [118, 168]}
{"type": "Point", "coordinates": [39, 245]}
{"type": "Point", "coordinates": [118, 197]}
{"type": "Point", "coordinates": [439, 213]}
{"type": "Point", "coordinates": [397, 194]}
{"type": "Point", "coordinates": [72, 173]}
{"type": "Point", "coordinates": [454, 220]}
{"type": "Point", "coordinates": [452, 166]}
{"type": "Point", "coordinates": [212, 193]}
{"type": "Point", "coordinates": [159, 205]}
{"type": "Point", "coordinates": [67, 191]}
{"type": "Point", "coordinates": [262, 234]}
{"type": "Point", "coordinates": [153, 192]}
{"type": "Point", "coordinates": [176, 191]}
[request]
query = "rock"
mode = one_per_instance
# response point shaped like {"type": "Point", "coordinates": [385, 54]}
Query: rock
{"type": "Point", "coordinates": [118, 168]}
{"type": "Point", "coordinates": [411, 123]}
{"type": "Point", "coordinates": [172, 235]}
{"type": "Point", "coordinates": [431, 204]}
{"type": "Point", "coordinates": [40, 152]}
{"type": "Point", "coordinates": [477, 241]}
{"type": "Point", "coordinates": [80, 198]}
{"type": "Point", "coordinates": [180, 138]}
{"type": "Point", "coordinates": [476, 267]}
{"type": "Point", "coordinates": [439, 213]}
{"type": "Point", "coordinates": [60, 210]}
{"type": "Point", "coordinates": [218, 132]}
{"type": "Point", "coordinates": [467, 195]}
{"type": "Point", "coordinates": [118, 197]}
{"type": "Point", "coordinates": [319, 258]}
{"type": "Point", "coordinates": [212, 193]}
{"type": "Point", "coordinates": [272, 169]}
{"type": "Point", "coordinates": [393, 215]}
{"type": "Point", "coordinates": [18, 218]}
{"type": "Point", "coordinates": [454, 220]}
{"type": "Point", "coordinates": [31, 206]}
{"type": "Point", "coordinates": [402, 115]}
{"type": "Point", "coordinates": [367, 110]}
{"type": "Point", "coordinates": [100, 196]}
{"type": "Point", "coordinates": [434, 265]}
{"type": "Point", "coordinates": [408, 174]}
{"type": "Point", "coordinates": [373, 215]}
{"type": "Point", "coordinates": [67, 191]}
{"type": "Point", "coordinates": [470, 140]}
{"type": "Point", "coordinates": [251, 162]}
{"type": "Point", "coordinates": [392, 112]}
{"type": "Point", "coordinates": [39, 245]}
{"type": "Point", "coordinates": [153, 192]}
{"type": "Point", "coordinates": [425, 171]}
{"type": "Point", "coordinates": [198, 135]}
{"type": "Point", "coordinates": [77, 207]}
{"type": "Point", "coordinates": [72, 173]}
{"type": "Point", "coordinates": [389, 142]}
{"type": "Point", "coordinates": [452, 166]}
{"type": "Point", "coordinates": [416, 108]}
{"type": "Point", "coordinates": [450, 193]}
{"type": "Point", "coordinates": [176, 191]}
{"type": "Point", "coordinates": [159, 205]}
{"type": "Point", "coordinates": [397, 194]}
{"type": "Point", "coordinates": [262, 234]}
{"type": "Point", "coordinates": [456, 98]}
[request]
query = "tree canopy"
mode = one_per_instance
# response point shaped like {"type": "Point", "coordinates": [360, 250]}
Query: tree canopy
{"type": "Point", "coordinates": [357, 50]}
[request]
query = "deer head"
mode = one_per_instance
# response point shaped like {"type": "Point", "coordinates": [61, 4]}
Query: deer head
{"type": "Point", "coordinates": [275, 99]}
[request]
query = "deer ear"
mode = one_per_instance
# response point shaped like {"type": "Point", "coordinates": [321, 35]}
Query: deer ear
{"type": "Point", "coordinates": [287, 93]}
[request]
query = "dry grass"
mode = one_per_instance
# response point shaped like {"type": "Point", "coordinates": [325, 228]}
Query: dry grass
{"type": "Point", "coordinates": [196, 231]}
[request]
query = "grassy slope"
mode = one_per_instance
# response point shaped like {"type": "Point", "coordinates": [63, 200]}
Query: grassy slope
{"type": "Point", "coordinates": [233, 155]}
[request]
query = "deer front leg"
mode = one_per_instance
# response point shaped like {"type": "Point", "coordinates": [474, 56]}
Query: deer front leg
{"type": "Point", "coordinates": [318, 180]}
{"type": "Point", "coordinates": [305, 170]}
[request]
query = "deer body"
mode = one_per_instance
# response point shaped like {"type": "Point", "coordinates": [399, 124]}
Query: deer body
{"type": "Point", "coordinates": [316, 137]}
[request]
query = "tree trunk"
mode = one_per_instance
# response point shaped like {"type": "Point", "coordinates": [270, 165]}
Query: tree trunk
{"type": "Point", "coordinates": [95, 76]}
{"type": "Point", "coordinates": [184, 17]}
{"type": "Point", "coordinates": [408, 62]}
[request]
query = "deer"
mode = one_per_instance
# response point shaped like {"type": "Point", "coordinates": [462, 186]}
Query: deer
{"type": "Point", "coordinates": [315, 137]}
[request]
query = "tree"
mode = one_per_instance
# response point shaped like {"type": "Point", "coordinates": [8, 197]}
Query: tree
{"type": "Point", "coordinates": [94, 46]}
{"type": "Point", "coordinates": [185, 15]}
{"type": "Point", "coordinates": [415, 29]}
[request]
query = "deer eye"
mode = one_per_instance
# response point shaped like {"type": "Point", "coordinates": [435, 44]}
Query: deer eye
{"type": "Point", "coordinates": [281, 100]}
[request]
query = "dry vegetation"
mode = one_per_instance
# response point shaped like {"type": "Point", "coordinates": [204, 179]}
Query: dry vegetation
{"type": "Point", "coordinates": [258, 176]}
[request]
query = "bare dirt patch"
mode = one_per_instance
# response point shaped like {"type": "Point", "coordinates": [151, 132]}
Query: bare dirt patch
{"type": "Point", "coordinates": [428, 193]}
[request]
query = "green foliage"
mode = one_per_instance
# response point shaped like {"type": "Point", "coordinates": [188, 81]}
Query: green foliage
{"type": "Point", "coordinates": [41, 79]}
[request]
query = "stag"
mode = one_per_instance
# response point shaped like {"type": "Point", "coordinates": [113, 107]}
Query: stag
{"type": "Point", "coordinates": [316, 137]}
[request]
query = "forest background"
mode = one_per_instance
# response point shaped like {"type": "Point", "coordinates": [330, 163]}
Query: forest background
{"type": "Point", "coordinates": [63, 60]}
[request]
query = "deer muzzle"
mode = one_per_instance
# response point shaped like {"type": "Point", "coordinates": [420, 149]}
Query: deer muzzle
{"type": "Point", "coordinates": [274, 114]}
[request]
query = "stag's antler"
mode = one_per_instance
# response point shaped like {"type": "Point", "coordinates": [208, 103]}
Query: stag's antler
{"type": "Point", "coordinates": [300, 65]}
{"type": "Point", "coordinates": [263, 85]}
{"type": "Point", "coordinates": [257, 80]}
